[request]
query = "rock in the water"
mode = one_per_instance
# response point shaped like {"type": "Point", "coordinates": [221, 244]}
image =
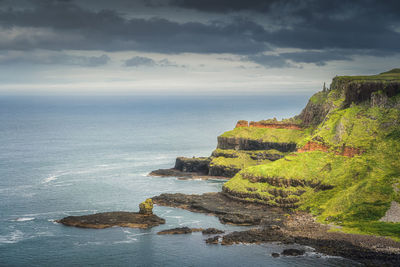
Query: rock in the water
{"type": "Point", "coordinates": [179, 230]}
{"type": "Point", "coordinates": [146, 207]}
{"type": "Point", "coordinates": [212, 231]}
{"type": "Point", "coordinates": [110, 219]}
{"type": "Point", "coordinates": [213, 240]}
{"type": "Point", "coordinates": [275, 255]}
{"type": "Point", "coordinates": [293, 252]}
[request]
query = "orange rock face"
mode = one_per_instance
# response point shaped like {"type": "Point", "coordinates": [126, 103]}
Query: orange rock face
{"type": "Point", "coordinates": [255, 124]}
{"type": "Point", "coordinates": [313, 146]}
{"type": "Point", "coordinates": [274, 125]}
{"type": "Point", "coordinates": [346, 151]}
{"type": "Point", "coordinates": [242, 123]}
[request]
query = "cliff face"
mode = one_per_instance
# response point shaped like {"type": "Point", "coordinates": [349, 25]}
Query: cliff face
{"type": "Point", "coordinates": [249, 144]}
{"type": "Point", "coordinates": [357, 90]}
{"type": "Point", "coordinates": [341, 164]}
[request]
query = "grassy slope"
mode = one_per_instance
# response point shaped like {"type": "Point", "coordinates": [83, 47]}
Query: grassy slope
{"type": "Point", "coordinates": [363, 185]}
{"type": "Point", "coordinates": [267, 134]}
{"type": "Point", "coordinates": [243, 160]}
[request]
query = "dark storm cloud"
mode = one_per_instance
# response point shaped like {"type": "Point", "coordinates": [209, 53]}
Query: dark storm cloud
{"type": "Point", "coordinates": [109, 31]}
{"type": "Point", "coordinates": [54, 59]}
{"type": "Point", "coordinates": [226, 5]}
{"type": "Point", "coordinates": [315, 24]}
{"type": "Point", "coordinates": [339, 30]}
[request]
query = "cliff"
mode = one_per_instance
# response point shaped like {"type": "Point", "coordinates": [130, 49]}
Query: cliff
{"type": "Point", "coordinates": [339, 157]}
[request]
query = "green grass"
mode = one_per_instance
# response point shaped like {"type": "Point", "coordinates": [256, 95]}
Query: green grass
{"type": "Point", "coordinates": [391, 230]}
{"type": "Point", "coordinates": [267, 134]}
{"type": "Point", "coordinates": [242, 161]}
{"type": "Point", "coordinates": [363, 186]}
{"type": "Point", "coordinates": [389, 76]}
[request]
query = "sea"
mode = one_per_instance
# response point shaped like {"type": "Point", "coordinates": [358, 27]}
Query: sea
{"type": "Point", "coordinates": [77, 155]}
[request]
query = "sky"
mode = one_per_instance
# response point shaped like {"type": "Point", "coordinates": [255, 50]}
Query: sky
{"type": "Point", "coordinates": [125, 47]}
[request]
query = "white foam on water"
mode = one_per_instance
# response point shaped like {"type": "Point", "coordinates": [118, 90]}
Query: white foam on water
{"type": "Point", "coordinates": [49, 179]}
{"type": "Point", "coordinates": [128, 240]}
{"type": "Point", "coordinates": [13, 237]}
{"type": "Point", "coordinates": [24, 219]}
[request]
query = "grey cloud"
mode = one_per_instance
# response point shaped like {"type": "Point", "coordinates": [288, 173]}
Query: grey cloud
{"type": "Point", "coordinates": [319, 58]}
{"type": "Point", "coordinates": [54, 59]}
{"type": "Point", "coordinates": [109, 31]}
{"type": "Point", "coordinates": [271, 61]}
{"type": "Point", "coordinates": [138, 61]}
{"type": "Point", "coordinates": [339, 29]}
{"type": "Point", "coordinates": [226, 5]}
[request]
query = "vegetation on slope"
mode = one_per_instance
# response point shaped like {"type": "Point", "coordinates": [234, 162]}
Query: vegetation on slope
{"type": "Point", "coordinates": [353, 192]}
{"type": "Point", "coordinates": [267, 134]}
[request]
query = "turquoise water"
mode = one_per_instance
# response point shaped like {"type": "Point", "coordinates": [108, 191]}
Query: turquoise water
{"type": "Point", "coordinates": [63, 156]}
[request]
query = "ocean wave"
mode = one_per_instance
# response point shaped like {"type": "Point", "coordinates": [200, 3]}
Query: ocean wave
{"type": "Point", "coordinates": [13, 237]}
{"type": "Point", "coordinates": [24, 219]}
{"type": "Point", "coordinates": [49, 179]}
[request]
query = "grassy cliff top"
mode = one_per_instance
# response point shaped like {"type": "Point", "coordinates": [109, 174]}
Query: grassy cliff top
{"type": "Point", "coordinates": [356, 191]}
{"type": "Point", "coordinates": [389, 76]}
{"type": "Point", "coordinates": [267, 134]}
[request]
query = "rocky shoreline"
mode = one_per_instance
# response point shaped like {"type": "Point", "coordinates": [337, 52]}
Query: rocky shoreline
{"type": "Point", "coordinates": [279, 225]}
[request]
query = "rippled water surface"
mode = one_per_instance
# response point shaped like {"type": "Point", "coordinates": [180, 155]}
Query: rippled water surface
{"type": "Point", "coordinates": [63, 156]}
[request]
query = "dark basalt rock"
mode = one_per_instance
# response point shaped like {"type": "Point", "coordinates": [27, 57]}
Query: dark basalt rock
{"type": "Point", "coordinates": [293, 252]}
{"type": "Point", "coordinates": [275, 255]}
{"type": "Point", "coordinates": [213, 240]}
{"type": "Point", "coordinates": [274, 226]}
{"type": "Point", "coordinates": [212, 231]}
{"type": "Point", "coordinates": [268, 156]}
{"type": "Point", "coordinates": [110, 219]}
{"type": "Point", "coordinates": [179, 231]}
{"type": "Point", "coordinates": [255, 236]}
{"type": "Point", "coordinates": [198, 165]}
{"type": "Point", "coordinates": [175, 173]}
{"type": "Point", "coordinates": [224, 171]}
{"type": "Point", "coordinates": [249, 144]}
{"type": "Point", "coordinates": [225, 208]}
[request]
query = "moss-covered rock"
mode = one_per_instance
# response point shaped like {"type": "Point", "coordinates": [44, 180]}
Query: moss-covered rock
{"type": "Point", "coordinates": [146, 207]}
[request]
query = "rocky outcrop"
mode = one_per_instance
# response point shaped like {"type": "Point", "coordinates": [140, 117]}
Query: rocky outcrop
{"type": "Point", "coordinates": [226, 209]}
{"type": "Point", "coordinates": [180, 231]}
{"type": "Point", "coordinates": [222, 170]}
{"type": "Point", "coordinates": [343, 151]}
{"type": "Point", "coordinates": [276, 225]}
{"type": "Point", "coordinates": [265, 155]}
{"type": "Point", "coordinates": [110, 219]}
{"type": "Point", "coordinates": [212, 231]}
{"type": "Point", "coordinates": [142, 219]}
{"type": "Point", "coordinates": [249, 144]}
{"type": "Point", "coordinates": [357, 91]}
{"type": "Point", "coordinates": [315, 111]}
{"type": "Point", "coordinates": [271, 125]}
{"type": "Point", "coordinates": [242, 123]}
{"type": "Point", "coordinates": [146, 207]}
{"type": "Point", "coordinates": [289, 126]}
{"type": "Point", "coordinates": [293, 252]}
{"type": "Point", "coordinates": [392, 214]}
{"type": "Point", "coordinates": [199, 165]}
{"type": "Point", "coordinates": [176, 173]}
{"type": "Point", "coordinates": [221, 153]}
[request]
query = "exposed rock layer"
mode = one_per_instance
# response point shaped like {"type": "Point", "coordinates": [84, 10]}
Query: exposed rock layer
{"type": "Point", "coordinates": [343, 151]}
{"type": "Point", "coordinates": [249, 144]}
